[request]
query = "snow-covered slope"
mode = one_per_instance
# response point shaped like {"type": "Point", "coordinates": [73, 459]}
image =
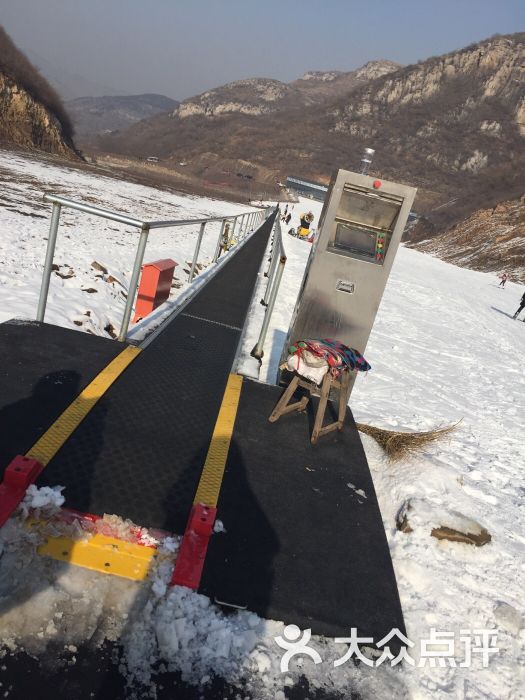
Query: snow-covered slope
{"type": "Point", "coordinates": [84, 239]}
{"type": "Point", "coordinates": [444, 349]}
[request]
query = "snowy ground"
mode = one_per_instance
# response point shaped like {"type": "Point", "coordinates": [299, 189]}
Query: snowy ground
{"type": "Point", "coordinates": [444, 348]}
{"type": "Point", "coordinates": [82, 296]}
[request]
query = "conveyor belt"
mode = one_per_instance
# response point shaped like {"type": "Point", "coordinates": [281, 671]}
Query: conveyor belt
{"type": "Point", "coordinates": [140, 451]}
{"type": "Point", "coordinates": [42, 369]}
{"type": "Point", "coordinates": [304, 540]}
{"type": "Point", "coordinates": [90, 673]}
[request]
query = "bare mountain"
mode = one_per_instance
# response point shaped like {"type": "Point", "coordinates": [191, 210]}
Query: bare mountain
{"type": "Point", "coordinates": [31, 112]}
{"type": "Point", "coordinates": [320, 86]}
{"type": "Point", "coordinates": [256, 96]}
{"type": "Point", "coordinates": [98, 115]}
{"type": "Point", "coordinates": [453, 125]}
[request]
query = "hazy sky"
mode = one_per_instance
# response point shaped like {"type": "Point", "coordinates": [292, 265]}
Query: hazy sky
{"type": "Point", "coordinates": [182, 47]}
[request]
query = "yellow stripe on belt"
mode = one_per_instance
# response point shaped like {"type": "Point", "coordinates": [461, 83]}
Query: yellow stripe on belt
{"type": "Point", "coordinates": [211, 478]}
{"type": "Point", "coordinates": [46, 447]}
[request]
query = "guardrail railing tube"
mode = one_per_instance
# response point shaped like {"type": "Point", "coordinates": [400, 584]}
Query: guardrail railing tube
{"type": "Point", "coordinates": [275, 252]}
{"type": "Point", "coordinates": [48, 263]}
{"type": "Point", "coordinates": [133, 283]}
{"type": "Point", "coordinates": [257, 351]}
{"type": "Point", "coordinates": [196, 253]}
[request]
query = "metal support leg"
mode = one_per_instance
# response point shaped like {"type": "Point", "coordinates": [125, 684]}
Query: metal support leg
{"type": "Point", "coordinates": [196, 253]}
{"type": "Point", "coordinates": [48, 264]}
{"type": "Point", "coordinates": [133, 283]}
{"type": "Point", "coordinates": [233, 229]}
{"type": "Point", "coordinates": [219, 241]}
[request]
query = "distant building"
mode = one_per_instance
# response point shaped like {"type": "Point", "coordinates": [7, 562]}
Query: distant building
{"type": "Point", "coordinates": [305, 187]}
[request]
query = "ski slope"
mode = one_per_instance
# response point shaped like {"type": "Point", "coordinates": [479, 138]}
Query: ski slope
{"type": "Point", "coordinates": [444, 349]}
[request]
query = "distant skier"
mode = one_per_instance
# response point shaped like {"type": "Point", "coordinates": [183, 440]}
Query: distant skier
{"type": "Point", "coordinates": [504, 277]}
{"type": "Point", "coordinates": [522, 306]}
{"type": "Point", "coordinates": [288, 217]}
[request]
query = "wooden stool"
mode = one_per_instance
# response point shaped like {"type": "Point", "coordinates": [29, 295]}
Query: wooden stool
{"type": "Point", "coordinates": [342, 384]}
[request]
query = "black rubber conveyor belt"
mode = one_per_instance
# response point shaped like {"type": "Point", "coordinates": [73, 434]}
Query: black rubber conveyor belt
{"type": "Point", "coordinates": [139, 453]}
{"type": "Point", "coordinates": [304, 540]}
{"type": "Point", "coordinates": [42, 369]}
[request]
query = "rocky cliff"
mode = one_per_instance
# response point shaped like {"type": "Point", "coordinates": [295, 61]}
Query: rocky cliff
{"type": "Point", "coordinates": [480, 88]}
{"type": "Point", "coordinates": [490, 240]}
{"type": "Point", "coordinates": [31, 113]}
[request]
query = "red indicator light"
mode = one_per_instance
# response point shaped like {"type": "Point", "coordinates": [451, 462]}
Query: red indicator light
{"type": "Point", "coordinates": [377, 184]}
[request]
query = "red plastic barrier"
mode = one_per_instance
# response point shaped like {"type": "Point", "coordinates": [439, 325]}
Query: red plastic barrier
{"type": "Point", "coordinates": [19, 474]}
{"type": "Point", "coordinates": [192, 552]}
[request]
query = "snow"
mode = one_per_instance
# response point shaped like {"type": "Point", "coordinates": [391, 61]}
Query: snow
{"type": "Point", "coordinates": [84, 239]}
{"type": "Point", "coordinates": [444, 349]}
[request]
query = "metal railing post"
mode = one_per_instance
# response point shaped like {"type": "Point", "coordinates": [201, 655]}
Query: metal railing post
{"type": "Point", "coordinates": [257, 351]}
{"type": "Point", "coordinates": [233, 229]}
{"type": "Point", "coordinates": [219, 241]}
{"type": "Point", "coordinates": [196, 253]}
{"type": "Point", "coordinates": [133, 283]}
{"type": "Point", "coordinates": [48, 263]}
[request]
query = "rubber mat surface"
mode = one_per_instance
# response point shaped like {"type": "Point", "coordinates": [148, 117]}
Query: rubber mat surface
{"type": "Point", "coordinates": [42, 369]}
{"type": "Point", "coordinates": [140, 451]}
{"type": "Point", "coordinates": [304, 540]}
{"type": "Point", "coordinates": [91, 674]}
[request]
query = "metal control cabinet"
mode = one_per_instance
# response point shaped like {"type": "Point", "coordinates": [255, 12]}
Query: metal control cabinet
{"type": "Point", "coordinates": [359, 232]}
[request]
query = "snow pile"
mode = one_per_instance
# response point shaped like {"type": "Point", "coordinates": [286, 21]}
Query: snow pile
{"type": "Point", "coordinates": [43, 499]}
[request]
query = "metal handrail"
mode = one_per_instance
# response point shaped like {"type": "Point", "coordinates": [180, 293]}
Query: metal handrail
{"type": "Point", "coordinates": [274, 274]}
{"type": "Point", "coordinates": [256, 217]}
{"type": "Point", "coordinates": [139, 223]}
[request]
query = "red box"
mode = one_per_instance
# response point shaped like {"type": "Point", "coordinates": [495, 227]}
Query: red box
{"type": "Point", "coordinates": [154, 287]}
